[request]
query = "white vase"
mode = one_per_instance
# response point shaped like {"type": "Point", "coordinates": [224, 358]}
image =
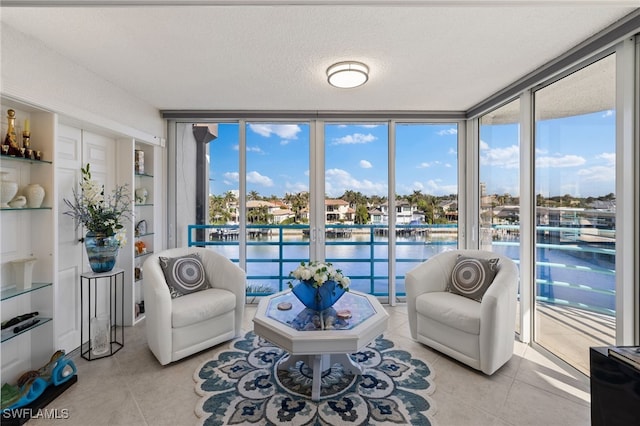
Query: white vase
{"type": "Point", "coordinates": [23, 269]}
{"type": "Point", "coordinates": [8, 190]}
{"type": "Point", "coordinates": [35, 195]}
{"type": "Point", "coordinates": [100, 330]}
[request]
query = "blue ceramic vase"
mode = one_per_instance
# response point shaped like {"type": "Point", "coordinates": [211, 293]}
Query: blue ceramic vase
{"type": "Point", "coordinates": [102, 251]}
{"type": "Point", "coordinates": [320, 298]}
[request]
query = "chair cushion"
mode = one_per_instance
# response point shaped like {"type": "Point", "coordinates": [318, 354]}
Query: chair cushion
{"type": "Point", "coordinates": [451, 309]}
{"type": "Point", "coordinates": [184, 274]}
{"type": "Point", "coordinates": [206, 304]}
{"type": "Point", "coordinates": [471, 277]}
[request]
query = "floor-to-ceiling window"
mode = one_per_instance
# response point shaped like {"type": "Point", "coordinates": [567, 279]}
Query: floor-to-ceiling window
{"type": "Point", "coordinates": [575, 215]}
{"type": "Point", "coordinates": [277, 190]}
{"type": "Point", "coordinates": [356, 187]}
{"type": "Point", "coordinates": [263, 199]}
{"type": "Point", "coordinates": [224, 189]}
{"type": "Point", "coordinates": [499, 178]}
{"type": "Point", "coordinates": [426, 188]}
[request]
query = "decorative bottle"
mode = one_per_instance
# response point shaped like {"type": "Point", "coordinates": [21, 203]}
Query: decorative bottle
{"type": "Point", "coordinates": [10, 138]}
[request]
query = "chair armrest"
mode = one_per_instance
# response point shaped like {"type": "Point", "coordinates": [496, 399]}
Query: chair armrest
{"type": "Point", "coordinates": [157, 310]}
{"type": "Point", "coordinates": [427, 277]}
{"type": "Point", "coordinates": [498, 316]}
{"type": "Point", "coordinates": [430, 276]}
{"type": "Point", "coordinates": [223, 273]}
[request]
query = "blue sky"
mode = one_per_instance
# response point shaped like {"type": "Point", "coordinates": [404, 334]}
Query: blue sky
{"type": "Point", "coordinates": [574, 155]}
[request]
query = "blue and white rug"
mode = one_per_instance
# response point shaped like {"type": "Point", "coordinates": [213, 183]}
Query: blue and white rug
{"type": "Point", "coordinates": [243, 386]}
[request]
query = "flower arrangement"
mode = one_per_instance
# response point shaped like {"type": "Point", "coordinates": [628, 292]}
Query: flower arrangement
{"type": "Point", "coordinates": [317, 273]}
{"type": "Point", "coordinates": [98, 213]}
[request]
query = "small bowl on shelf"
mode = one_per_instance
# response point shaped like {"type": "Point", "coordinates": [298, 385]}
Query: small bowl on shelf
{"type": "Point", "coordinates": [18, 202]}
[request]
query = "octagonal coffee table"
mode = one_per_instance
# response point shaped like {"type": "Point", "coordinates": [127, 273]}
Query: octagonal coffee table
{"type": "Point", "coordinates": [320, 339]}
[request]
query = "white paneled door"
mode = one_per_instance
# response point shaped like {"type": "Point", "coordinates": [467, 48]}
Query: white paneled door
{"type": "Point", "coordinates": [74, 149]}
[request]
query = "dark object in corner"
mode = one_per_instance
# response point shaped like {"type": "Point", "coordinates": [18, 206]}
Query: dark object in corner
{"type": "Point", "coordinates": [18, 319]}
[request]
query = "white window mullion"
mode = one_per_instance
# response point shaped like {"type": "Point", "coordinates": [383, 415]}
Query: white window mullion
{"type": "Point", "coordinates": [316, 192]}
{"type": "Point", "coordinates": [626, 194]}
{"type": "Point", "coordinates": [391, 164]}
{"type": "Point", "coordinates": [242, 171]}
{"type": "Point", "coordinates": [527, 218]}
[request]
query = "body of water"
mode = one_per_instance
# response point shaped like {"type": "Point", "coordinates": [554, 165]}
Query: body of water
{"type": "Point", "coordinates": [572, 275]}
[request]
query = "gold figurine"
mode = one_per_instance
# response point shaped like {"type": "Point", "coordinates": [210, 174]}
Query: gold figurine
{"type": "Point", "coordinates": [10, 138]}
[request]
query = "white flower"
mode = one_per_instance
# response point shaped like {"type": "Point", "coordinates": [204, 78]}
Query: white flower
{"type": "Point", "coordinates": [122, 239]}
{"type": "Point", "coordinates": [98, 213]}
{"type": "Point", "coordinates": [319, 273]}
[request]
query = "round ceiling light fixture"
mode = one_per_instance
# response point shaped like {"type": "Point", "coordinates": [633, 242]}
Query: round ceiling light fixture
{"type": "Point", "coordinates": [347, 74]}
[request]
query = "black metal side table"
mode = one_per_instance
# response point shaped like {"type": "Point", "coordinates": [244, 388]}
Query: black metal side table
{"type": "Point", "coordinates": [101, 345]}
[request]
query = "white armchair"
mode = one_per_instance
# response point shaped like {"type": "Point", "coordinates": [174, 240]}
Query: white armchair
{"type": "Point", "coordinates": [479, 334]}
{"type": "Point", "coordinates": [179, 327]}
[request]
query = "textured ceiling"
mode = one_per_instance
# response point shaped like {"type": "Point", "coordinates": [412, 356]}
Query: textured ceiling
{"type": "Point", "coordinates": [273, 57]}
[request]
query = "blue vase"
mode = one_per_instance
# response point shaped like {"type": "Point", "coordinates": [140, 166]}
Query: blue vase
{"type": "Point", "coordinates": [320, 298]}
{"type": "Point", "coordinates": [102, 251]}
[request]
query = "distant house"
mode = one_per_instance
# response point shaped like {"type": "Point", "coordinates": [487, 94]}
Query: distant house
{"type": "Point", "coordinates": [376, 217]}
{"type": "Point", "coordinates": [282, 214]}
{"type": "Point", "coordinates": [336, 210]}
{"type": "Point", "coordinates": [404, 212]}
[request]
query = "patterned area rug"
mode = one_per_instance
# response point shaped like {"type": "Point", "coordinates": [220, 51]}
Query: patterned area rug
{"type": "Point", "coordinates": [244, 386]}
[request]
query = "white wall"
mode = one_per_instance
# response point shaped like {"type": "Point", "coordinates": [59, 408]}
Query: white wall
{"type": "Point", "coordinates": [34, 74]}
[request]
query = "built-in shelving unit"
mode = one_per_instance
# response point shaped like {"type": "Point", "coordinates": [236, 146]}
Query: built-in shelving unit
{"type": "Point", "coordinates": [28, 232]}
{"type": "Point", "coordinates": [143, 159]}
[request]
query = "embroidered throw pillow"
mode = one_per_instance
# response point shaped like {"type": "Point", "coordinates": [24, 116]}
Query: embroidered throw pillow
{"type": "Point", "coordinates": [472, 277]}
{"type": "Point", "coordinates": [184, 274]}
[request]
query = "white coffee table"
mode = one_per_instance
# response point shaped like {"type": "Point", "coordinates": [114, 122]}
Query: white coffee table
{"type": "Point", "coordinates": [302, 336]}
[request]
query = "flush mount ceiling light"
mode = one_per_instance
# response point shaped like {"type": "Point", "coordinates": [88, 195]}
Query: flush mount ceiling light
{"type": "Point", "coordinates": [348, 74]}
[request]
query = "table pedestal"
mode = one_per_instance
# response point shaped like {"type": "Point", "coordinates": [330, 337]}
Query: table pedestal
{"type": "Point", "coordinates": [320, 363]}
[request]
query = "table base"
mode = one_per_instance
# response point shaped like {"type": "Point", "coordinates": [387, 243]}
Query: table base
{"type": "Point", "coordinates": [320, 363]}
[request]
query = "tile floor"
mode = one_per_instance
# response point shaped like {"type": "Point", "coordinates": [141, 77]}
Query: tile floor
{"type": "Point", "coordinates": [132, 388]}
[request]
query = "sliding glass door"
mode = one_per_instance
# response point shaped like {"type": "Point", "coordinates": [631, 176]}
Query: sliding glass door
{"type": "Point", "coordinates": [499, 192]}
{"type": "Point", "coordinates": [575, 186]}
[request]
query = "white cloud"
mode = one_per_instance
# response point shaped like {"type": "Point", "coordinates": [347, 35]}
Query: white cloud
{"type": "Point", "coordinates": [285, 131]}
{"type": "Point", "coordinates": [365, 164]}
{"type": "Point", "coordinates": [258, 179]}
{"type": "Point", "coordinates": [426, 164]}
{"type": "Point", "coordinates": [354, 139]}
{"type": "Point", "coordinates": [607, 113]}
{"type": "Point", "coordinates": [369, 126]}
{"type": "Point", "coordinates": [564, 161]}
{"type": "Point", "coordinates": [255, 149]}
{"type": "Point", "coordinates": [483, 145]}
{"type": "Point", "coordinates": [435, 187]}
{"type": "Point", "coordinates": [231, 178]}
{"type": "Point", "coordinates": [337, 181]}
{"type": "Point", "coordinates": [597, 174]}
{"type": "Point", "coordinates": [296, 187]}
{"type": "Point", "coordinates": [451, 131]}
{"type": "Point", "coordinates": [508, 158]}
{"type": "Point", "coordinates": [609, 157]}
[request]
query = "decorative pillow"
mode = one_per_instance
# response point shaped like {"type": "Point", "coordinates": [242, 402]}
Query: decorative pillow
{"type": "Point", "coordinates": [472, 277]}
{"type": "Point", "coordinates": [184, 274]}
